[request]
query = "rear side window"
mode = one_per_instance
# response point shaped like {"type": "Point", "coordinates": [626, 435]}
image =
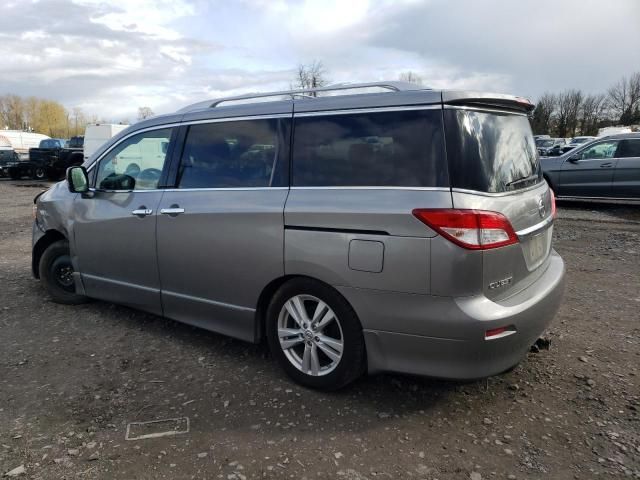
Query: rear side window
{"type": "Point", "coordinates": [490, 151]}
{"type": "Point", "coordinates": [240, 154]}
{"type": "Point", "coordinates": [629, 148]}
{"type": "Point", "coordinates": [404, 149]}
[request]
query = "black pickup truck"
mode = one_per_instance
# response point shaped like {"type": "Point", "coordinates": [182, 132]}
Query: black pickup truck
{"type": "Point", "coordinates": [50, 160]}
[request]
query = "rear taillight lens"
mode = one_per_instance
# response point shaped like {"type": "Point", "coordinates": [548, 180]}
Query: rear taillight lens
{"type": "Point", "coordinates": [471, 229]}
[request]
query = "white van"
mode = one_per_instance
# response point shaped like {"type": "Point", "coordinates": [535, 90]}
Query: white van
{"type": "Point", "coordinates": [21, 141]}
{"type": "Point", "coordinates": [98, 133]}
{"type": "Point", "coordinates": [606, 131]}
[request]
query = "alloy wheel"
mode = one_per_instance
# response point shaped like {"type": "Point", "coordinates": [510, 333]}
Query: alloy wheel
{"type": "Point", "coordinates": [310, 335]}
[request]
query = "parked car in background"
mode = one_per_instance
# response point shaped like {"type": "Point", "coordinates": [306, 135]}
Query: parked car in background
{"type": "Point", "coordinates": [21, 141]}
{"type": "Point", "coordinates": [404, 231]}
{"type": "Point", "coordinates": [50, 160]}
{"type": "Point", "coordinates": [550, 146]}
{"type": "Point", "coordinates": [8, 157]}
{"type": "Point", "coordinates": [536, 138]}
{"type": "Point", "coordinates": [95, 135]}
{"type": "Point", "coordinates": [607, 167]}
{"type": "Point", "coordinates": [575, 142]}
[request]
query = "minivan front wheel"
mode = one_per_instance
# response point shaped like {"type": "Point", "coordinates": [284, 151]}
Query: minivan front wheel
{"type": "Point", "coordinates": [315, 335]}
{"type": "Point", "coordinates": [56, 273]}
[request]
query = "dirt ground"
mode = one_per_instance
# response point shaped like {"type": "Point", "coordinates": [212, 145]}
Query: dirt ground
{"type": "Point", "coordinates": [73, 378]}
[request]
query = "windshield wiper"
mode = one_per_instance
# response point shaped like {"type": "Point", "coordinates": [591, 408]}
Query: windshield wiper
{"type": "Point", "coordinates": [521, 180]}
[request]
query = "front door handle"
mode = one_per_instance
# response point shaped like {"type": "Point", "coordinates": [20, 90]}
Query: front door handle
{"type": "Point", "coordinates": [606, 165]}
{"type": "Point", "coordinates": [142, 212]}
{"type": "Point", "coordinates": [172, 211]}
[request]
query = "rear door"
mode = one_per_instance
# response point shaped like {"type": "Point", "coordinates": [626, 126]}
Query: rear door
{"type": "Point", "coordinates": [220, 230]}
{"type": "Point", "coordinates": [494, 167]}
{"type": "Point", "coordinates": [588, 172]}
{"type": "Point", "coordinates": [357, 174]}
{"type": "Point", "coordinates": [626, 177]}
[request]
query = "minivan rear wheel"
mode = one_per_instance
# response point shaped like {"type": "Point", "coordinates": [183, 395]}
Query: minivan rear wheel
{"type": "Point", "coordinates": [315, 335]}
{"type": "Point", "coordinates": [56, 273]}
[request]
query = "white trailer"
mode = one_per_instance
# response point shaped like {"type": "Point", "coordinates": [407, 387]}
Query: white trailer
{"type": "Point", "coordinates": [21, 141]}
{"type": "Point", "coordinates": [96, 134]}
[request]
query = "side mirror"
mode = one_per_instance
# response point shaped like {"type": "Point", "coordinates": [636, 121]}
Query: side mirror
{"type": "Point", "coordinates": [575, 158]}
{"type": "Point", "coordinates": [77, 179]}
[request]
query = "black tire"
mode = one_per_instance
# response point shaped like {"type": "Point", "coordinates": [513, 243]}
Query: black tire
{"type": "Point", "coordinates": [352, 363]}
{"type": "Point", "coordinates": [56, 274]}
{"type": "Point", "coordinates": [14, 175]}
{"type": "Point", "coordinates": [39, 173]}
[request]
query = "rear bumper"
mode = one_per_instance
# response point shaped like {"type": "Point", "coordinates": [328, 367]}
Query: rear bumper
{"type": "Point", "coordinates": [444, 336]}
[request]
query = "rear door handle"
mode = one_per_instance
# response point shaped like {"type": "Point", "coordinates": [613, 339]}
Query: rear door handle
{"type": "Point", "coordinates": [606, 165]}
{"type": "Point", "coordinates": [142, 212]}
{"type": "Point", "coordinates": [173, 210]}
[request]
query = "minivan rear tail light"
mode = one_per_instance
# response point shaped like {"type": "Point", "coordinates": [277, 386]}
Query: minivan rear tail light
{"type": "Point", "coordinates": [471, 229]}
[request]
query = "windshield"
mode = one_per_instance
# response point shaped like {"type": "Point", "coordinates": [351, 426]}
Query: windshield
{"type": "Point", "coordinates": [490, 151]}
{"type": "Point", "coordinates": [547, 143]}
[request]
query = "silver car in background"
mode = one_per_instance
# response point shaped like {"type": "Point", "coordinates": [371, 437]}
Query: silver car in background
{"type": "Point", "coordinates": [407, 230]}
{"type": "Point", "coordinates": [604, 168]}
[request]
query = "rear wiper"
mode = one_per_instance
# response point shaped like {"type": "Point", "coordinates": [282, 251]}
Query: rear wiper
{"type": "Point", "coordinates": [521, 180]}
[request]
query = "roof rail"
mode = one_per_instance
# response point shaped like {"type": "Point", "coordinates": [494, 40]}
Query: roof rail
{"type": "Point", "coordinates": [394, 86]}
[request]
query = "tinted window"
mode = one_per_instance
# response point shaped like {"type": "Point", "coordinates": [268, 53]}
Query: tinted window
{"type": "Point", "coordinates": [370, 149]}
{"type": "Point", "coordinates": [599, 151]}
{"type": "Point", "coordinates": [233, 154]}
{"type": "Point", "coordinates": [629, 148]}
{"type": "Point", "coordinates": [490, 152]}
{"type": "Point", "coordinates": [136, 163]}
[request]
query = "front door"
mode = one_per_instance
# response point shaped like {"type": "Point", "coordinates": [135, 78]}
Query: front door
{"type": "Point", "coordinates": [115, 229]}
{"type": "Point", "coordinates": [589, 172]}
{"type": "Point", "coordinates": [220, 230]}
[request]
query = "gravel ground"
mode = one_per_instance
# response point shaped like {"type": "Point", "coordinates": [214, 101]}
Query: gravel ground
{"type": "Point", "coordinates": [73, 378]}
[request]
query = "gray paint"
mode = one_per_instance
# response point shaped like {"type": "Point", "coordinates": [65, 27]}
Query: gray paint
{"type": "Point", "coordinates": [422, 301]}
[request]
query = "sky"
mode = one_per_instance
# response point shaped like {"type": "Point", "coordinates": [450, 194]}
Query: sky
{"type": "Point", "coordinates": [110, 57]}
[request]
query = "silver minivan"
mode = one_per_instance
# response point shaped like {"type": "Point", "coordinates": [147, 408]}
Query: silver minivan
{"type": "Point", "coordinates": [359, 228]}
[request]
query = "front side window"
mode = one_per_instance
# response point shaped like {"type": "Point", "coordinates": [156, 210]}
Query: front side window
{"type": "Point", "coordinates": [602, 150]}
{"type": "Point", "coordinates": [397, 149]}
{"type": "Point", "coordinates": [234, 154]}
{"type": "Point", "coordinates": [136, 163]}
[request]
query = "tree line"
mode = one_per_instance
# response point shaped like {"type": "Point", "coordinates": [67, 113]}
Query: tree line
{"type": "Point", "coordinates": [49, 117]}
{"type": "Point", "coordinates": [42, 116]}
{"type": "Point", "coordinates": [572, 112]}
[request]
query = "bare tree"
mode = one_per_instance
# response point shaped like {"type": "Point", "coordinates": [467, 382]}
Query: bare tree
{"type": "Point", "coordinates": [541, 121]}
{"type": "Point", "coordinates": [145, 112]}
{"type": "Point", "coordinates": [569, 103]}
{"type": "Point", "coordinates": [623, 99]}
{"type": "Point", "coordinates": [310, 76]}
{"type": "Point", "coordinates": [591, 113]}
{"type": "Point", "coordinates": [411, 77]}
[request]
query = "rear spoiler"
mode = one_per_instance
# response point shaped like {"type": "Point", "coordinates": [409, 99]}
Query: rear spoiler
{"type": "Point", "coordinates": [495, 100]}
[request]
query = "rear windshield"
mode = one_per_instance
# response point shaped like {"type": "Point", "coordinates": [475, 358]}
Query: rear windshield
{"type": "Point", "coordinates": [490, 151]}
